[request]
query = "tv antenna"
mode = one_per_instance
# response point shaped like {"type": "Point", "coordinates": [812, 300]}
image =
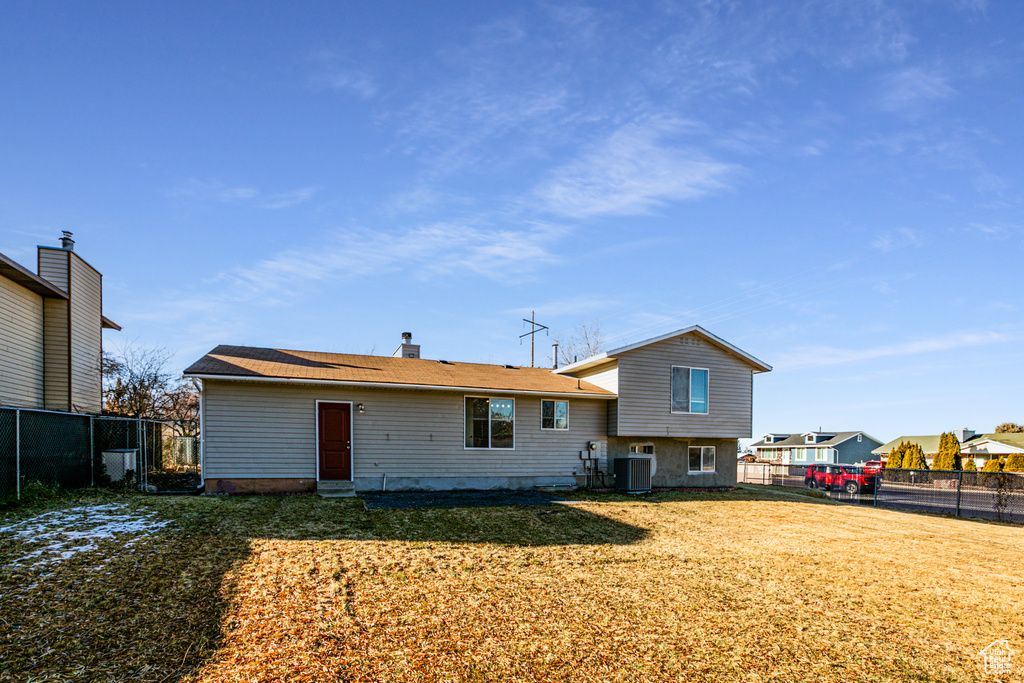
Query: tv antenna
{"type": "Point", "coordinates": [535, 327]}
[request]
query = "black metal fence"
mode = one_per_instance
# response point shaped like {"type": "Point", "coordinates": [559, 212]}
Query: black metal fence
{"type": "Point", "coordinates": [69, 450]}
{"type": "Point", "coordinates": [986, 495]}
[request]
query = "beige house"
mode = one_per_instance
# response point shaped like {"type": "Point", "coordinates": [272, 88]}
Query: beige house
{"type": "Point", "coordinates": [278, 420]}
{"type": "Point", "coordinates": [51, 335]}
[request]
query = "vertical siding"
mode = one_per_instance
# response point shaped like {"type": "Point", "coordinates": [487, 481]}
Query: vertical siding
{"type": "Point", "coordinates": [53, 266]}
{"type": "Point", "coordinates": [21, 345]}
{"type": "Point", "coordinates": [255, 430]}
{"type": "Point", "coordinates": [55, 355]}
{"type": "Point", "coordinates": [645, 375]}
{"type": "Point", "coordinates": [86, 332]}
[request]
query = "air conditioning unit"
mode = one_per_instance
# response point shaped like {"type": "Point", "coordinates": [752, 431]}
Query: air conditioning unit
{"type": "Point", "coordinates": [633, 475]}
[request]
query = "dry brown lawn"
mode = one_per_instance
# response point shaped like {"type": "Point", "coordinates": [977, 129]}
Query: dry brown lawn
{"type": "Point", "coordinates": [741, 586]}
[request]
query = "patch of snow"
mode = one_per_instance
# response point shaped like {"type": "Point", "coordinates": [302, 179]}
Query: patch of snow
{"type": "Point", "coordinates": [76, 530]}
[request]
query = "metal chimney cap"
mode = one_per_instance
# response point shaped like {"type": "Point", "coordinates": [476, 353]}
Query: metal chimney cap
{"type": "Point", "coordinates": [66, 242]}
{"type": "Point", "coordinates": [407, 335]}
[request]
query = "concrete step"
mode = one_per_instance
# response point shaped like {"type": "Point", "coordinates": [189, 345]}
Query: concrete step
{"type": "Point", "coordinates": [336, 489]}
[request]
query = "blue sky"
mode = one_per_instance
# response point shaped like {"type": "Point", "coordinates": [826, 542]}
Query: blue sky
{"type": "Point", "coordinates": [834, 187]}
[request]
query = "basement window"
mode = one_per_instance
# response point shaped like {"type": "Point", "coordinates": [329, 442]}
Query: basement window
{"type": "Point", "coordinates": [490, 422]}
{"type": "Point", "coordinates": [702, 459]}
{"type": "Point", "coordinates": [554, 415]}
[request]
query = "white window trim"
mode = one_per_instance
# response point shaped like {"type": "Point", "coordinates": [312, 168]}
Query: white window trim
{"type": "Point", "coordinates": [691, 368]}
{"type": "Point", "coordinates": [551, 429]}
{"type": "Point", "coordinates": [488, 448]}
{"type": "Point", "coordinates": [714, 449]}
{"type": "Point", "coordinates": [351, 433]}
{"type": "Point", "coordinates": [821, 455]}
{"type": "Point", "coordinates": [800, 454]}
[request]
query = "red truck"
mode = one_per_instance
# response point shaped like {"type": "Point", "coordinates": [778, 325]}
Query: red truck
{"type": "Point", "coordinates": [849, 478]}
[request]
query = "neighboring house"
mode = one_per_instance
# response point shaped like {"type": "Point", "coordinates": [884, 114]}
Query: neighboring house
{"type": "Point", "coordinates": [816, 447]}
{"type": "Point", "coordinates": [985, 447]}
{"type": "Point", "coordinates": [52, 332]}
{"type": "Point", "coordinates": [981, 447]}
{"type": "Point", "coordinates": [276, 420]}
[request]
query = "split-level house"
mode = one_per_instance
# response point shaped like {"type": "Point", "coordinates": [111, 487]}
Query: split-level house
{"type": "Point", "coordinates": [276, 420]}
{"type": "Point", "coordinates": [818, 447]}
{"type": "Point", "coordinates": [52, 332]}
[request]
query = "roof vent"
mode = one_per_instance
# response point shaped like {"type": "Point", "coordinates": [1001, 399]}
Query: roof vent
{"type": "Point", "coordinates": [66, 242]}
{"type": "Point", "coordinates": [445, 362]}
{"type": "Point", "coordinates": [510, 367]}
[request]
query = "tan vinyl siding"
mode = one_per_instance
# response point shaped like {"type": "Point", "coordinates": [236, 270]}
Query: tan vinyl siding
{"type": "Point", "coordinates": [21, 345]}
{"type": "Point", "coordinates": [255, 430]}
{"type": "Point", "coordinates": [55, 354]}
{"type": "Point", "coordinates": [53, 266]}
{"type": "Point", "coordinates": [613, 418]}
{"type": "Point", "coordinates": [86, 331]}
{"type": "Point", "coordinates": [645, 375]}
{"type": "Point", "coordinates": [605, 376]}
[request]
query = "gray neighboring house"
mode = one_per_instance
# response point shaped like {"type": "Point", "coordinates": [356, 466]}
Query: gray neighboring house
{"type": "Point", "coordinates": [276, 420]}
{"type": "Point", "coordinates": [52, 332]}
{"type": "Point", "coordinates": [811, 448]}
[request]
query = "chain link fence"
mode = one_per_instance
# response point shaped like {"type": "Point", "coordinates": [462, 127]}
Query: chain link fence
{"type": "Point", "coordinates": [69, 450]}
{"type": "Point", "coordinates": [986, 495]}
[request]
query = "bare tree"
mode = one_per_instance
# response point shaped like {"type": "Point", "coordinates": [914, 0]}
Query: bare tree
{"type": "Point", "coordinates": [136, 383]}
{"type": "Point", "coordinates": [585, 341]}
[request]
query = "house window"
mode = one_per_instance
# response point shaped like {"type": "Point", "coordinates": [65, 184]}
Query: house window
{"type": "Point", "coordinates": [490, 422]}
{"type": "Point", "coordinates": [820, 453]}
{"type": "Point", "coordinates": [641, 449]}
{"type": "Point", "coordinates": [860, 437]}
{"type": "Point", "coordinates": [702, 459]}
{"type": "Point", "coordinates": [689, 390]}
{"type": "Point", "coordinates": [801, 454]}
{"type": "Point", "coordinates": [554, 414]}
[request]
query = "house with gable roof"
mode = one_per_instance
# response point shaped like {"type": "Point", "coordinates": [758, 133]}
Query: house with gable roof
{"type": "Point", "coordinates": [52, 332]}
{"type": "Point", "coordinates": [275, 420]}
{"type": "Point", "coordinates": [846, 448]}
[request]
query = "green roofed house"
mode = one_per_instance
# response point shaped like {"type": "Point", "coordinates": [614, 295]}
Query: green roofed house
{"type": "Point", "coordinates": [667, 410]}
{"type": "Point", "coordinates": [815, 448]}
{"type": "Point", "coordinates": [981, 447]}
{"type": "Point", "coordinates": [985, 447]}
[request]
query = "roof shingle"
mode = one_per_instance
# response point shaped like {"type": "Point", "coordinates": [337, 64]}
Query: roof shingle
{"type": "Point", "coordinates": [252, 363]}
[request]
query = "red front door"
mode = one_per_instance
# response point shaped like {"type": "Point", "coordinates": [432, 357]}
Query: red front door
{"type": "Point", "coordinates": [335, 435]}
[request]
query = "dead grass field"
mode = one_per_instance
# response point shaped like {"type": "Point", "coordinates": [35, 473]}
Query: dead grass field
{"type": "Point", "coordinates": [741, 586]}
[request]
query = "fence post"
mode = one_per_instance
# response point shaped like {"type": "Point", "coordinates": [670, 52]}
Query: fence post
{"type": "Point", "coordinates": [959, 485]}
{"type": "Point", "coordinates": [92, 454]}
{"type": "Point", "coordinates": [17, 454]}
{"type": "Point", "coordinates": [878, 485]}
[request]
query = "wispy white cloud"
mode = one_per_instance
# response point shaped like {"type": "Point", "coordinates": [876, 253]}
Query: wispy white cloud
{"type": "Point", "coordinates": [898, 239]}
{"type": "Point", "coordinates": [332, 71]}
{"type": "Point", "coordinates": [632, 172]}
{"type": "Point", "coordinates": [912, 87]}
{"type": "Point", "coordinates": [283, 200]}
{"type": "Point", "coordinates": [439, 249]}
{"type": "Point", "coordinates": [822, 356]}
{"type": "Point", "coordinates": [212, 190]}
{"type": "Point", "coordinates": [217, 191]}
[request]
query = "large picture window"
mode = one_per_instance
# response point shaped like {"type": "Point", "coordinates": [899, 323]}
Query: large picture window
{"type": "Point", "coordinates": [689, 390]}
{"type": "Point", "coordinates": [490, 422]}
{"type": "Point", "coordinates": [554, 414]}
{"type": "Point", "coordinates": [702, 459]}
